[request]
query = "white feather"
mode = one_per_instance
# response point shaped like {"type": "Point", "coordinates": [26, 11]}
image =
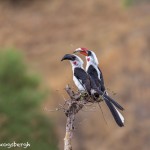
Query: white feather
{"type": "Point", "coordinates": [78, 84]}
{"type": "Point", "coordinates": [80, 60]}
{"type": "Point", "coordinates": [94, 62]}
{"type": "Point", "coordinates": [93, 91]}
{"type": "Point", "coordinates": [120, 115]}
{"type": "Point", "coordinates": [78, 64]}
{"type": "Point", "coordinates": [95, 58]}
{"type": "Point", "coordinates": [78, 50]}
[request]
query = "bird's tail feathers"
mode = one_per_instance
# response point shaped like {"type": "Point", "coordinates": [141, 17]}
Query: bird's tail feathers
{"type": "Point", "coordinates": [106, 97]}
{"type": "Point", "coordinates": [116, 114]}
{"type": "Point", "coordinates": [114, 102]}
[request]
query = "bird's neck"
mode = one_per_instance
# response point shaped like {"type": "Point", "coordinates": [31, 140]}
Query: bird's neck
{"type": "Point", "coordinates": [76, 66]}
{"type": "Point", "coordinates": [88, 63]}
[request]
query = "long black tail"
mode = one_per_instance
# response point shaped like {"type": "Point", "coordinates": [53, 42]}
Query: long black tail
{"type": "Point", "coordinates": [106, 97]}
{"type": "Point", "coordinates": [114, 102]}
{"type": "Point", "coordinates": [113, 105]}
{"type": "Point", "coordinates": [116, 114]}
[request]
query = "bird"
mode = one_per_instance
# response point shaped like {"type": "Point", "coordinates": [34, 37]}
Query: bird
{"type": "Point", "coordinates": [85, 82]}
{"type": "Point", "coordinates": [81, 79]}
{"type": "Point", "coordinates": [92, 67]}
{"type": "Point", "coordinates": [95, 72]}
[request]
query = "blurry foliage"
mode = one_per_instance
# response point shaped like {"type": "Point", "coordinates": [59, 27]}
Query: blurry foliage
{"type": "Point", "coordinates": [20, 99]}
{"type": "Point", "coordinates": [18, 2]}
{"type": "Point", "coordinates": [127, 2]}
{"type": "Point", "coordinates": [133, 2]}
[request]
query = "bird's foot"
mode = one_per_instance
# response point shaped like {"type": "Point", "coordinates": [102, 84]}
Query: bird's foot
{"type": "Point", "coordinates": [100, 98]}
{"type": "Point", "coordinates": [83, 94]}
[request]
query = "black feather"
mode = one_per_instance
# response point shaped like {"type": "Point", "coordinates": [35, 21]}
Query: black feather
{"type": "Point", "coordinates": [114, 113]}
{"type": "Point", "coordinates": [83, 78]}
{"type": "Point", "coordinates": [94, 75]}
{"type": "Point", "coordinates": [106, 97]}
{"type": "Point", "coordinates": [100, 84]}
{"type": "Point", "coordinates": [114, 102]}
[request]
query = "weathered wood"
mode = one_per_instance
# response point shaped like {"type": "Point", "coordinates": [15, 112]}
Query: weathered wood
{"type": "Point", "coordinates": [75, 104]}
{"type": "Point", "coordinates": [69, 132]}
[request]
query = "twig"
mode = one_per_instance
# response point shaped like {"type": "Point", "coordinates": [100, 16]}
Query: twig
{"type": "Point", "coordinates": [102, 113]}
{"type": "Point", "coordinates": [76, 102]}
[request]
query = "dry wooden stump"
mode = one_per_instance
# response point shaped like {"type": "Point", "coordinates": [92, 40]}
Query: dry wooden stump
{"type": "Point", "coordinates": [76, 102]}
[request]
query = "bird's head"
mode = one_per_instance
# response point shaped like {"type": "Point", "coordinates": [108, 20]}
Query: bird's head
{"type": "Point", "coordinates": [90, 55]}
{"type": "Point", "coordinates": [75, 60]}
{"type": "Point", "coordinates": [83, 51]}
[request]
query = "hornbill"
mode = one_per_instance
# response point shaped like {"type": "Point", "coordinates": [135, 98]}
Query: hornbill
{"type": "Point", "coordinates": [85, 82]}
{"type": "Point", "coordinates": [92, 67]}
{"type": "Point", "coordinates": [81, 79]}
{"type": "Point", "coordinates": [96, 74]}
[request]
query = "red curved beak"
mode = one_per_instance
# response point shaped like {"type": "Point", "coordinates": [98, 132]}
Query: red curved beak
{"type": "Point", "coordinates": [81, 51]}
{"type": "Point", "coordinates": [84, 53]}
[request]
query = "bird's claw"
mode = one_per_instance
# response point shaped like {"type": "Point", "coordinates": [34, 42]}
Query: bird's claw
{"type": "Point", "coordinates": [100, 98]}
{"type": "Point", "coordinates": [83, 94]}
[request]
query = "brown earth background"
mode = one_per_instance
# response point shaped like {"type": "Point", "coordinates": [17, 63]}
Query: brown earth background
{"type": "Point", "coordinates": [46, 30]}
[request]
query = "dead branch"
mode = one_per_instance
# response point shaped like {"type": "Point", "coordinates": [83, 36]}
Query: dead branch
{"type": "Point", "coordinates": [76, 102]}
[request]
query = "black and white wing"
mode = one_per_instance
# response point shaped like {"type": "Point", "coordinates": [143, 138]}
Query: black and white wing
{"type": "Point", "coordinates": [83, 79]}
{"type": "Point", "coordinates": [94, 75]}
{"type": "Point", "coordinates": [101, 80]}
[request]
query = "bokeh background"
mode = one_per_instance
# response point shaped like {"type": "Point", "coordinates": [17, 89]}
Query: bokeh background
{"type": "Point", "coordinates": [43, 31]}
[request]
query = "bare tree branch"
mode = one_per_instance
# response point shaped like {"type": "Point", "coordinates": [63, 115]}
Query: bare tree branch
{"type": "Point", "coordinates": [76, 102]}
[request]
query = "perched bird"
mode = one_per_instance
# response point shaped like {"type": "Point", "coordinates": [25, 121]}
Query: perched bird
{"type": "Point", "coordinates": [85, 82]}
{"type": "Point", "coordinates": [95, 73]}
{"type": "Point", "coordinates": [81, 79]}
{"type": "Point", "coordinates": [92, 67]}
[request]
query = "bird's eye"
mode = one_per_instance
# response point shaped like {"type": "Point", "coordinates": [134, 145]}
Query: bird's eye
{"type": "Point", "coordinates": [89, 53]}
{"type": "Point", "coordinates": [88, 59]}
{"type": "Point", "coordinates": [74, 62]}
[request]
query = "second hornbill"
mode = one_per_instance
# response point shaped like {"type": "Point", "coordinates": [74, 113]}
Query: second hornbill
{"type": "Point", "coordinates": [95, 72]}
{"type": "Point", "coordinates": [84, 82]}
{"type": "Point", "coordinates": [92, 67]}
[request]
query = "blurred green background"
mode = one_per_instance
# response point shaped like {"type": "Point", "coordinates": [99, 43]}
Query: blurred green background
{"type": "Point", "coordinates": [20, 100]}
{"type": "Point", "coordinates": [35, 34]}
